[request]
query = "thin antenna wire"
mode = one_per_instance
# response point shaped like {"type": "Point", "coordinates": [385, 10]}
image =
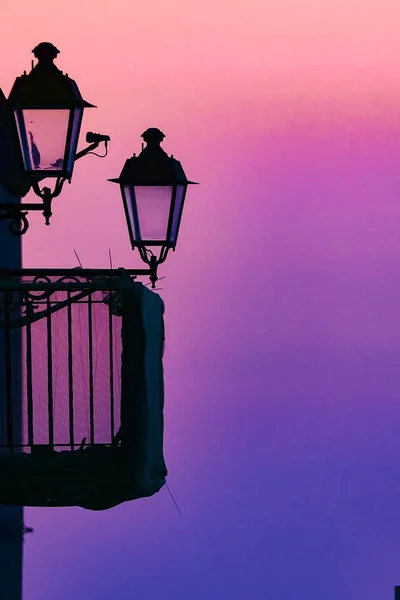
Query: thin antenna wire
{"type": "Point", "coordinates": [109, 254]}
{"type": "Point", "coordinates": [76, 254]}
{"type": "Point", "coordinates": [173, 499]}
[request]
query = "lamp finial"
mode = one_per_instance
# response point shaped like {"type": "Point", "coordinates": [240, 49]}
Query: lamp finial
{"type": "Point", "coordinates": [153, 136]}
{"type": "Point", "coordinates": [45, 52]}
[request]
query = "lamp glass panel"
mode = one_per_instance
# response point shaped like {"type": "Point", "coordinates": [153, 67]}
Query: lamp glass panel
{"type": "Point", "coordinates": [179, 199]}
{"type": "Point", "coordinates": [129, 197]}
{"type": "Point", "coordinates": [75, 130]}
{"type": "Point", "coordinates": [43, 135]}
{"type": "Point", "coordinates": [153, 204]}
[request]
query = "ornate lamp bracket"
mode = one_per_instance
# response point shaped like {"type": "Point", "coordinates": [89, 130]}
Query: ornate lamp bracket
{"type": "Point", "coordinates": [16, 212]}
{"type": "Point", "coordinates": [151, 259]}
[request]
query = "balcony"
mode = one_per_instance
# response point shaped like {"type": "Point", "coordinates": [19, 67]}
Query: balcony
{"type": "Point", "coordinates": [81, 388]}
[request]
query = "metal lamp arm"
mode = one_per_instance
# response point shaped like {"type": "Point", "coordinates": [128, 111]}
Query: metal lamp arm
{"type": "Point", "coordinates": [86, 150]}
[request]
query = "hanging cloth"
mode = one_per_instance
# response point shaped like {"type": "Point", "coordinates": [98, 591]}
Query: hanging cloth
{"type": "Point", "coordinates": [142, 386]}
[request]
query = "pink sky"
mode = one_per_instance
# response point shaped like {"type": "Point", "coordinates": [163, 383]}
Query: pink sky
{"type": "Point", "coordinates": [283, 331]}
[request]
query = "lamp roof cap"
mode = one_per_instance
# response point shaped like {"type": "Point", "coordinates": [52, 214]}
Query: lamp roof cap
{"type": "Point", "coordinates": [45, 51]}
{"type": "Point", "coordinates": [153, 135]}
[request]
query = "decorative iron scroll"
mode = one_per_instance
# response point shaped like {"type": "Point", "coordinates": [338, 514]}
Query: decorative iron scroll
{"type": "Point", "coordinates": [35, 298]}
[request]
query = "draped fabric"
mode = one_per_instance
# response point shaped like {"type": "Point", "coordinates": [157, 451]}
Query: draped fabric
{"type": "Point", "coordinates": [142, 393]}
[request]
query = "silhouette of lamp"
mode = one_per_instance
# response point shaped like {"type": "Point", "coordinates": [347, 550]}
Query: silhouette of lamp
{"type": "Point", "coordinates": [48, 109]}
{"type": "Point", "coordinates": [153, 187]}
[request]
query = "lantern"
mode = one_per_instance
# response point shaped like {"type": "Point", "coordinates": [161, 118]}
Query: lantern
{"type": "Point", "coordinates": [153, 187]}
{"type": "Point", "coordinates": [48, 110]}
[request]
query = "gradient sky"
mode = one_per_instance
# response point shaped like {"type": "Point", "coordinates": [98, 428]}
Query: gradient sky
{"type": "Point", "coordinates": [282, 299]}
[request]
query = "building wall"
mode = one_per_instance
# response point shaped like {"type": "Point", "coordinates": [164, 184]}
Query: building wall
{"type": "Point", "coordinates": [11, 517]}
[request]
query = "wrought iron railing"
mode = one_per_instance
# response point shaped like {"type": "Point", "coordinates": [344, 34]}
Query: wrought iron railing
{"type": "Point", "coordinates": [60, 358]}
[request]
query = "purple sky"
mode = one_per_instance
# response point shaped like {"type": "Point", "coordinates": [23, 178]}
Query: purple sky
{"type": "Point", "coordinates": [282, 300]}
{"type": "Point", "coordinates": [282, 383]}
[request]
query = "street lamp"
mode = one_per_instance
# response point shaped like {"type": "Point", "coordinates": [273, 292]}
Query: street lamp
{"type": "Point", "coordinates": [47, 109]}
{"type": "Point", "coordinates": [153, 187]}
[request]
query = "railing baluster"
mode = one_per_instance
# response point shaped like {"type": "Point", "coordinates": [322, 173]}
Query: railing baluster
{"type": "Point", "coordinates": [8, 373]}
{"type": "Point", "coordinates": [70, 375]}
{"type": "Point", "coordinates": [91, 396]}
{"type": "Point", "coordinates": [50, 375]}
{"type": "Point", "coordinates": [111, 355]}
{"type": "Point", "coordinates": [29, 378]}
